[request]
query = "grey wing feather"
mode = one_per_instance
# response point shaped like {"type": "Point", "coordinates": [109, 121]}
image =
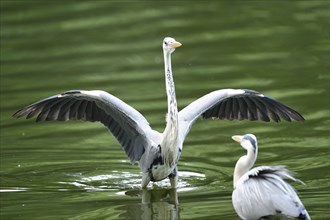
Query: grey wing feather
{"type": "Point", "coordinates": [129, 127]}
{"type": "Point", "coordinates": [235, 104]}
{"type": "Point", "coordinates": [255, 106]}
{"type": "Point", "coordinates": [264, 171]}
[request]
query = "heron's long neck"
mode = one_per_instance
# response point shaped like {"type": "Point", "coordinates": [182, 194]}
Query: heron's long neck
{"type": "Point", "coordinates": [170, 137]}
{"type": "Point", "coordinates": [172, 113]}
{"type": "Point", "coordinates": [244, 164]}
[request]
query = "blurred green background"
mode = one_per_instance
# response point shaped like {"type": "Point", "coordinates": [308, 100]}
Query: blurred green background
{"type": "Point", "coordinates": [77, 170]}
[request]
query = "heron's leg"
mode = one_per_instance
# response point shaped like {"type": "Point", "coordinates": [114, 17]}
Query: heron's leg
{"type": "Point", "coordinates": [145, 180]}
{"type": "Point", "coordinates": [174, 178]}
{"type": "Point", "coordinates": [173, 196]}
{"type": "Point", "coordinates": [146, 197]}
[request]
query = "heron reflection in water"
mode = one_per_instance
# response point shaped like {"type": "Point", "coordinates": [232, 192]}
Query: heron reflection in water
{"type": "Point", "coordinates": [261, 191]}
{"type": "Point", "coordinates": [157, 153]}
{"type": "Point", "coordinates": [157, 204]}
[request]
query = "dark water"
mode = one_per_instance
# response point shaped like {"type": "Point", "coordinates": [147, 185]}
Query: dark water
{"type": "Point", "coordinates": [77, 170]}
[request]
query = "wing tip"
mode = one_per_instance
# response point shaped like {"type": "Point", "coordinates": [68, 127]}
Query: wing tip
{"type": "Point", "coordinates": [20, 113]}
{"type": "Point", "coordinates": [294, 116]}
{"type": "Point", "coordinates": [299, 117]}
{"type": "Point", "coordinates": [17, 114]}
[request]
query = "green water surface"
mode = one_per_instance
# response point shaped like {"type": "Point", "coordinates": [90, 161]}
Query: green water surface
{"type": "Point", "coordinates": [77, 170]}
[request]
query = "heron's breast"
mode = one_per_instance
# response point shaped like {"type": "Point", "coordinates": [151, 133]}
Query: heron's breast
{"type": "Point", "coordinates": [161, 167]}
{"type": "Point", "coordinates": [160, 171]}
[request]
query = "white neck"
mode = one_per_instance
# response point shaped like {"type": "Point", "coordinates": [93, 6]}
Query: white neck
{"type": "Point", "coordinates": [170, 134]}
{"type": "Point", "coordinates": [244, 164]}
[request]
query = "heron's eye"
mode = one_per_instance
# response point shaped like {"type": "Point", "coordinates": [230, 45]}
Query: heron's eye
{"type": "Point", "coordinates": [165, 43]}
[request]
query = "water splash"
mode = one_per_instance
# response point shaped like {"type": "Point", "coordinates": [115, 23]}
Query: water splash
{"type": "Point", "coordinates": [123, 180]}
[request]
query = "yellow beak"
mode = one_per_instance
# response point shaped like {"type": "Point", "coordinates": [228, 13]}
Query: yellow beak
{"type": "Point", "coordinates": [176, 44]}
{"type": "Point", "coordinates": [237, 138]}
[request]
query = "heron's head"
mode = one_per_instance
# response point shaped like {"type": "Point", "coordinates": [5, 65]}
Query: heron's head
{"type": "Point", "coordinates": [247, 141]}
{"type": "Point", "coordinates": [170, 44]}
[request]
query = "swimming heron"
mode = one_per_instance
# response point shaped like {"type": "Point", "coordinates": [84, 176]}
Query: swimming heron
{"type": "Point", "coordinates": [262, 191]}
{"type": "Point", "coordinates": [157, 153]}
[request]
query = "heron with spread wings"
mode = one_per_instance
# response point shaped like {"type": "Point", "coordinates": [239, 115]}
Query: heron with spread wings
{"type": "Point", "coordinates": [157, 153]}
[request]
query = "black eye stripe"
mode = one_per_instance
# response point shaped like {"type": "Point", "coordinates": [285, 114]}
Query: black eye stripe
{"type": "Point", "coordinates": [253, 142]}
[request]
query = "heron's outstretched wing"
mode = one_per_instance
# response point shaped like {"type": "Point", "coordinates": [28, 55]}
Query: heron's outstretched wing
{"type": "Point", "coordinates": [262, 191]}
{"type": "Point", "coordinates": [235, 104]}
{"type": "Point", "coordinates": [129, 127]}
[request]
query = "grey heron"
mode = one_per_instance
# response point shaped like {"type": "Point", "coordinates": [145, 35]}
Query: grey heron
{"type": "Point", "coordinates": [157, 153]}
{"type": "Point", "coordinates": [262, 191]}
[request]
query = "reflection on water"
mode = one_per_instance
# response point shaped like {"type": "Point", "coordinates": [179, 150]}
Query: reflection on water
{"type": "Point", "coordinates": [126, 180]}
{"type": "Point", "coordinates": [155, 204]}
{"type": "Point", "coordinates": [78, 171]}
{"type": "Point", "coordinates": [158, 202]}
{"type": "Point", "coordinates": [14, 189]}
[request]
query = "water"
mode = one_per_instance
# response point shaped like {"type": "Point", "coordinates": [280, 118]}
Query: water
{"type": "Point", "coordinates": [76, 170]}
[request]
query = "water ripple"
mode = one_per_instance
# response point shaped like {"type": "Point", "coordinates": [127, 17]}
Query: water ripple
{"type": "Point", "coordinates": [119, 180]}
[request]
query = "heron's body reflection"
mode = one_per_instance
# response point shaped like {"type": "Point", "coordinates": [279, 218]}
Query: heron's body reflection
{"type": "Point", "coordinates": [156, 204]}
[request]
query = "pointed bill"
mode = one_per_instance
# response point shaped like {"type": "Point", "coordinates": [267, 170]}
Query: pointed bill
{"type": "Point", "coordinates": [237, 138]}
{"type": "Point", "coordinates": [176, 44]}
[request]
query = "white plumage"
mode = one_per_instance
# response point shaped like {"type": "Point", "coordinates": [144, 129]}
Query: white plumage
{"type": "Point", "coordinates": [262, 191]}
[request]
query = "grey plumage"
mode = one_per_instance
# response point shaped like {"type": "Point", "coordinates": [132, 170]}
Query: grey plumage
{"type": "Point", "coordinates": [77, 105]}
{"type": "Point", "coordinates": [263, 191]}
{"type": "Point", "coordinates": [252, 105]}
{"type": "Point", "coordinates": [140, 142]}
